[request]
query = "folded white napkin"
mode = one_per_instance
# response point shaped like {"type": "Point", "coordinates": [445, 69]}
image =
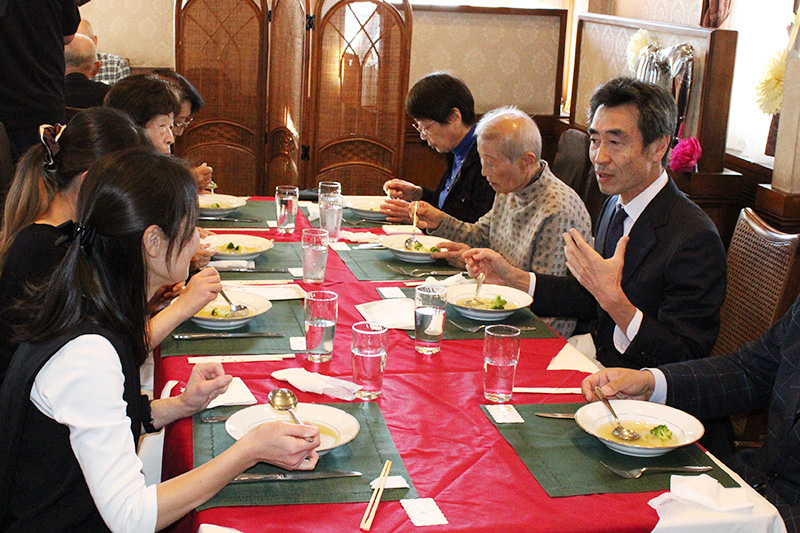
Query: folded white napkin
{"type": "Point", "coordinates": [394, 313]}
{"type": "Point", "coordinates": [227, 264]}
{"type": "Point", "coordinates": [313, 211]}
{"type": "Point", "coordinates": [707, 491]}
{"type": "Point", "coordinates": [237, 394]}
{"type": "Point", "coordinates": [318, 383]}
{"type": "Point", "coordinates": [361, 236]}
{"type": "Point", "coordinates": [399, 228]}
{"type": "Point", "coordinates": [455, 279]}
{"type": "Point", "coordinates": [569, 358]}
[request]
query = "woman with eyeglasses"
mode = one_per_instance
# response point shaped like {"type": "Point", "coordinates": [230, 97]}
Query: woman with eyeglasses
{"type": "Point", "coordinates": [70, 406]}
{"type": "Point", "coordinates": [443, 112]}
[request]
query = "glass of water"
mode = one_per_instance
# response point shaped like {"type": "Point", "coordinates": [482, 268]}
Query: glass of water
{"type": "Point", "coordinates": [429, 313]}
{"type": "Point", "coordinates": [500, 357]}
{"type": "Point", "coordinates": [321, 310]}
{"type": "Point", "coordinates": [330, 213]}
{"type": "Point", "coordinates": [315, 254]}
{"type": "Point", "coordinates": [368, 349]}
{"type": "Point", "coordinates": [286, 198]}
{"type": "Point", "coordinates": [329, 187]}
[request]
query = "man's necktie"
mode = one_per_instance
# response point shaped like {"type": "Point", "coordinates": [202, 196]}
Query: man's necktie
{"type": "Point", "coordinates": [614, 233]}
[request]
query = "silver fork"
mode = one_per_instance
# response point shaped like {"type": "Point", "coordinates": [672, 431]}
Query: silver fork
{"type": "Point", "coordinates": [636, 473]}
{"type": "Point", "coordinates": [476, 329]}
{"type": "Point", "coordinates": [422, 272]}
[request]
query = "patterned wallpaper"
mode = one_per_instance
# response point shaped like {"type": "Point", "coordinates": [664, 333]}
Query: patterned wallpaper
{"type": "Point", "coordinates": [141, 30]}
{"type": "Point", "coordinates": [685, 12]}
{"type": "Point", "coordinates": [603, 57]}
{"type": "Point", "coordinates": [515, 63]}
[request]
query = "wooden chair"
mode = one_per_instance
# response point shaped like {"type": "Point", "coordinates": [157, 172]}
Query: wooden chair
{"type": "Point", "coordinates": [763, 276]}
{"type": "Point", "coordinates": [6, 164]}
{"type": "Point", "coordinates": [571, 163]}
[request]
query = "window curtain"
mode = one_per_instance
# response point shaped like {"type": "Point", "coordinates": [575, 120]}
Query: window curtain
{"type": "Point", "coordinates": [715, 12]}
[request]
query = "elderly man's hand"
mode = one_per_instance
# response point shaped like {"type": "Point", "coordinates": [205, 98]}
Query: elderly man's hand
{"type": "Point", "coordinates": [403, 190]}
{"type": "Point", "coordinates": [601, 277]}
{"type": "Point", "coordinates": [451, 252]}
{"type": "Point", "coordinates": [428, 217]}
{"type": "Point", "coordinates": [202, 176]}
{"type": "Point", "coordinates": [396, 211]}
{"type": "Point", "coordinates": [622, 383]}
{"type": "Point", "coordinates": [496, 269]}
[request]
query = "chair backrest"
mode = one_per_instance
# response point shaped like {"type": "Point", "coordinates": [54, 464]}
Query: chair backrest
{"type": "Point", "coordinates": [763, 275]}
{"type": "Point", "coordinates": [571, 163]}
{"type": "Point", "coordinates": [6, 164]}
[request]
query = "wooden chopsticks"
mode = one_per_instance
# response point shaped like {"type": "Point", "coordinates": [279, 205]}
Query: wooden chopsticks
{"type": "Point", "coordinates": [377, 492]}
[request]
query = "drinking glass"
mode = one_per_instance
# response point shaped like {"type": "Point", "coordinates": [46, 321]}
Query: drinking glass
{"type": "Point", "coordinates": [331, 208]}
{"type": "Point", "coordinates": [286, 198]}
{"type": "Point", "coordinates": [429, 313]}
{"type": "Point", "coordinates": [368, 348]}
{"type": "Point", "coordinates": [500, 357]}
{"type": "Point", "coordinates": [329, 187]}
{"type": "Point", "coordinates": [322, 310]}
{"type": "Point", "coordinates": [315, 254]}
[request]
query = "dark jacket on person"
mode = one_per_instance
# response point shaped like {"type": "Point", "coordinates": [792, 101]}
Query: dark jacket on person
{"type": "Point", "coordinates": [81, 92]}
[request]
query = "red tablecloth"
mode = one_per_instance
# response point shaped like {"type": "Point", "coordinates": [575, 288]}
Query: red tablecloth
{"type": "Point", "coordinates": [451, 450]}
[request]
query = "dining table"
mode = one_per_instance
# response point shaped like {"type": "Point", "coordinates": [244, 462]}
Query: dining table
{"type": "Point", "coordinates": [478, 474]}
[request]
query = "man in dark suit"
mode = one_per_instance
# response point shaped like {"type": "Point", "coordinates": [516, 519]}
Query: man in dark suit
{"type": "Point", "coordinates": [81, 64]}
{"type": "Point", "coordinates": [655, 280]}
{"type": "Point", "coordinates": [763, 374]}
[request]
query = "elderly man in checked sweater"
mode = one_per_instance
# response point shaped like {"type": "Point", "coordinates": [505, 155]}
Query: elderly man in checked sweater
{"type": "Point", "coordinates": [532, 207]}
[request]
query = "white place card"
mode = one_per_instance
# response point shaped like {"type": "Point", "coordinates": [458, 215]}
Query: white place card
{"type": "Point", "coordinates": [272, 223]}
{"type": "Point", "coordinates": [296, 271]}
{"type": "Point", "coordinates": [249, 358]}
{"type": "Point", "coordinates": [505, 414]}
{"type": "Point", "coordinates": [391, 292]}
{"type": "Point", "coordinates": [298, 344]}
{"type": "Point", "coordinates": [395, 313]}
{"type": "Point", "coordinates": [257, 282]}
{"type": "Point", "coordinates": [423, 512]}
{"type": "Point", "coordinates": [339, 246]}
{"type": "Point", "coordinates": [275, 292]}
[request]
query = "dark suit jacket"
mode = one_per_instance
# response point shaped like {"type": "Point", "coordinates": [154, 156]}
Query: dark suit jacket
{"type": "Point", "coordinates": [81, 92]}
{"type": "Point", "coordinates": [675, 273]}
{"type": "Point", "coordinates": [764, 373]}
{"type": "Point", "coordinates": [470, 196]}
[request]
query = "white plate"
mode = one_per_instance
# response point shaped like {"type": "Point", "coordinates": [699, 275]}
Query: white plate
{"type": "Point", "coordinates": [368, 207]}
{"type": "Point", "coordinates": [237, 239]}
{"type": "Point", "coordinates": [258, 305]}
{"type": "Point", "coordinates": [226, 204]}
{"type": "Point", "coordinates": [336, 427]}
{"type": "Point", "coordinates": [686, 428]}
{"type": "Point", "coordinates": [515, 299]}
{"type": "Point", "coordinates": [396, 244]}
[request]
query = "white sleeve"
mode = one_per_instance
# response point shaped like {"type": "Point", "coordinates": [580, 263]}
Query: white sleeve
{"type": "Point", "coordinates": [622, 341]}
{"type": "Point", "coordinates": [660, 389]}
{"type": "Point", "coordinates": [81, 387]}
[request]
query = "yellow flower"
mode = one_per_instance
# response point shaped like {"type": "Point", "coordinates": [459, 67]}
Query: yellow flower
{"type": "Point", "coordinates": [769, 89]}
{"type": "Point", "coordinates": [638, 40]}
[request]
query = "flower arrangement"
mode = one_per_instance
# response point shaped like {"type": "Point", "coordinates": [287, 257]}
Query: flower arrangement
{"type": "Point", "coordinates": [638, 40]}
{"type": "Point", "coordinates": [769, 89]}
{"type": "Point", "coordinates": [685, 155]}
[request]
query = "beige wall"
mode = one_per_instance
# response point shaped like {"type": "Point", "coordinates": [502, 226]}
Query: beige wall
{"type": "Point", "coordinates": [141, 30]}
{"type": "Point", "coordinates": [686, 12]}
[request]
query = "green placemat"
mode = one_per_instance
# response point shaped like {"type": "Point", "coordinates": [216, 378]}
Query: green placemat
{"type": "Point", "coordinates": [520, 317]}
{"type": "Point", "coordinates": [366, 454]}
{"type": "Point", "coordinates": [261, 210]}
{"type": "Point", "coordinates": [282, 255]}
{"type": "Point", "coordinates": [351, 220]}
{"type": "Point", "coordinates": [565, 460]}
{"type": "Point", "coordinates": [372, 265]}
{"type": "Point", "coordinates": [286, 316]}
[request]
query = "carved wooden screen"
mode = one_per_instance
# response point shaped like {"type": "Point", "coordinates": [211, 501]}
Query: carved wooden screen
{"type": "Point", "coordinates": [287, 81]}
{"type": "Point", "coordinates": [221, 48]}
{"type": "Point", "coordinates": [359, 78]}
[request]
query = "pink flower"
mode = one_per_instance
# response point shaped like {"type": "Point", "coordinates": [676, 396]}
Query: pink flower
{"type": "Point", "coordinates": [685, 155]}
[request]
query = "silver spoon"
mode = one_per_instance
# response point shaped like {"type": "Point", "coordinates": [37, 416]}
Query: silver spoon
{"type": "Point", "coordinates": [474, 300]}
{"type": "Point", "coordinates": [285, 400]}
{"type": "Point", "coordinates": [237, 311]}
{"type": "Point", "coordinates": [412, 241]}
{"type": "Point", "coordinates": [621, 432]}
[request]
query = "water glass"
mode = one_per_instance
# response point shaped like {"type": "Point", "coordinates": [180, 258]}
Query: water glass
{"type": "Point", "coordinates": [429, 313]}
{"type": "Point", "coordinates": [315, 254]}
{"type": "Point", "coordinates": [330, 214]}
{"type": "Point", "coordinates": [368, 348]}
{"type": "Point", "coordinates": [286, 199]}
{"type": "Point", "coordinates": [322, 310]}
{"type": "Point", "coordinates": [329, 187]}
{"type": "Point", "coordinates": [500, 357]}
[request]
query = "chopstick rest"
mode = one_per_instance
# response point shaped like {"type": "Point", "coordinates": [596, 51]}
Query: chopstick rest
{"type": "Point", "coordinates": [372, 506]}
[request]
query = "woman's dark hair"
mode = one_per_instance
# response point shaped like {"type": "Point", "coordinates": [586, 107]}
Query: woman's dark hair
{"type": "Point", "coordinates": [434, 97]}
{"type": "Point", "coordinates": [90, 135]}
{"type": "Point", "coordinates": [187, 89]}
{"type": "Point", "coordinates": [658, 114]}
{"type": "Point", "coordinates": [103, 277]}
{"type": "Point", "coordinates": [144, 97]}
